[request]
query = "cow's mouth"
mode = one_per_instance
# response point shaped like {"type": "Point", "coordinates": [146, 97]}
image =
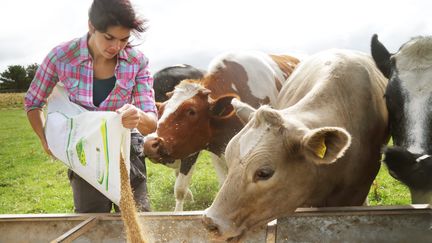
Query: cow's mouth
{"type": "Point", "coordinates": [234, 235]}
{"type": "Point", "coordinates": [217, 237]}
{"type": "Point", "coordinates": [162, 157]}
{"type": "Point", "coordinates": [216, 233]}
{"type": "Point", "coordinates": [235, 239]}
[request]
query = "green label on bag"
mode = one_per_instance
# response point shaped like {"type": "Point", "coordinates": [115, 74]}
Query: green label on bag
{"type": "Point", "coordinates": [104, 132]}
{"type": "Point", "coordinates": [80, 151]}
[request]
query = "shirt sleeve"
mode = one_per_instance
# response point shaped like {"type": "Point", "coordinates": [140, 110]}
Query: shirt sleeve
{"type": "Point", "coordinates": [43, 83]}
{"type": "Point", "coordinates": [143, 91]}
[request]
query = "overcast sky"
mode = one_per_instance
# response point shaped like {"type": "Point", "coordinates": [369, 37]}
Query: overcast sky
{"type": "Point", "coordinates": [194, 31]}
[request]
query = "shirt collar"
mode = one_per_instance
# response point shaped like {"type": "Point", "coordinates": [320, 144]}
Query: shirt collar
{"type": "Point", "coordinates": [84, 51]}
{"type": "Point", "coordinates": [123, 55]}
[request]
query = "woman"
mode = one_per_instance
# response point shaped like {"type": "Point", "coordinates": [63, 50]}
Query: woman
{"type": "Point", "coordinates": [101, 72]}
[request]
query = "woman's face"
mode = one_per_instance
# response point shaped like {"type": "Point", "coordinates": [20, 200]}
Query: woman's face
{"type": "Point", "coordinates": [109, 43]}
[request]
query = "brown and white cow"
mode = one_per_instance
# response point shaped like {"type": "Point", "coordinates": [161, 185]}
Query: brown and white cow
{"type": "Point", "coordinates": [199, 114]}
{"type": "Point", "coordinates": [165, 81]}
{"type": "Point", "coordinates": [319, 147]}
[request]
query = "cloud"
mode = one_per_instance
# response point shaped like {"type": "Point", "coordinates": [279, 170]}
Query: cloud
{"type": "Point", "coordinates": [195, 31]}
{"type": "Point", "coordinates": [30, 29]}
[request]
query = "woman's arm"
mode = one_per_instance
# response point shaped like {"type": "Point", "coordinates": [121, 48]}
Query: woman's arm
{"type": "Point", "coordinates": [40, 88]}
{"type": "Point", "coordinates": [143, 97]}
{"type": "Point", "coordinates": [37, 120]}
{"type": "Point", "coordinates": [147, 123]}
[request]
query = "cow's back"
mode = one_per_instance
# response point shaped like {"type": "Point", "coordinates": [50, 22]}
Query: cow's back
{"type": "Point", "coordinates": [254, 76]}
{"type": "Point", "coordinates": [339, 65]}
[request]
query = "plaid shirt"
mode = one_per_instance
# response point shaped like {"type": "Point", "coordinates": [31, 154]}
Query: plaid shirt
{"type": "Point", "coordinates": [71, 64]}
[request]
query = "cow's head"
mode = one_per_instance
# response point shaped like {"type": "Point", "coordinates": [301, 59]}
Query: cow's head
{"type": "Point", "coordinates": [409, 102]}
{"type": "Point", "coordinates": [273, 164]}
{"type": "Point", "coordinates": [186, 122]}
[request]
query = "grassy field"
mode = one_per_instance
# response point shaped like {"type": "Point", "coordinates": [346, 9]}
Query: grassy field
{"type": "Point", "coordinates": [30, 182]}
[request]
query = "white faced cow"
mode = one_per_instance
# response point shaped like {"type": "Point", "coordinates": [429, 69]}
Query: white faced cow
{"type": "Point", "coordinates": [409, 102]}
{"type": "Point", "coordinates": [199, 114]}
{"type": "Point", "coordinates": [319, 147]}
{"type": "Point", "coordinates": [164, 82]}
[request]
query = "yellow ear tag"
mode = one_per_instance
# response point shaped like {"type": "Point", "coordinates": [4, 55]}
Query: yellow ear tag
{"type": "Point", "coordinates": [321, 149]}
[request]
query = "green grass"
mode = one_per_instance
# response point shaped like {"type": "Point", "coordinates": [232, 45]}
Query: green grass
{"type": "Point", "coordinates": [387, 191]}
{"type": "Point", "coordinates": [161, 181]}
{"type": "Point", "coordinates": [30, 182]}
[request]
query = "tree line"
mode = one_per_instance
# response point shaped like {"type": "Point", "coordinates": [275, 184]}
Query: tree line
{"type": "Point", "coordinates": [17, 78]}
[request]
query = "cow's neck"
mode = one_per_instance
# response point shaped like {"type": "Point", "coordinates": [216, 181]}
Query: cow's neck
{"type": "Point", "coordinates": [222, 132]}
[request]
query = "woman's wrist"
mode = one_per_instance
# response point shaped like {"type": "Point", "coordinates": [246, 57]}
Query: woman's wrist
{"type": "Point", "coordinates": [147, 123]}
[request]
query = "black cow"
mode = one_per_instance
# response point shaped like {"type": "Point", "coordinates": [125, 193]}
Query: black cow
{"type": "Point", "coordinates": [164, 82]}
{"type": "Point", "coordinates": [166, 79]}
{"type": "Point", "coordinates": [409, 102]}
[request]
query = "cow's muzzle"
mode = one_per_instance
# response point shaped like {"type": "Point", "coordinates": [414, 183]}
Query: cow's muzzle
{"type": "Point", "coordinates": [414, 170]}
{"type": "Point", "coordinates": [155, 150]}
{"type": "Point", "coordinates": [217, 233]}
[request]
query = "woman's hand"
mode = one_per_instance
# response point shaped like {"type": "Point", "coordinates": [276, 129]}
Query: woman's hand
{"type": "Point", "coordinates": [130, 116]}
{"type": "Point", "coordinates": [46, 148]}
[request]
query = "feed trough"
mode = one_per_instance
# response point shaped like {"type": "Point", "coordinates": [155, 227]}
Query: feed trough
{"type": "Point", "coordinates": [412, 223]}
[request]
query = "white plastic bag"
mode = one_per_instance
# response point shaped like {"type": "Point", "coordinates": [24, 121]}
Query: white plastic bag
{"type": "Point", "coordinates": [88, 142]}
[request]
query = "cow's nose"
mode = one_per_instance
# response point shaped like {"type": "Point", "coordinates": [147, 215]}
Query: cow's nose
{"type": "Point", "coordinates": [210, 225]}
{"type": "Point", "coordinates": [151, 146]}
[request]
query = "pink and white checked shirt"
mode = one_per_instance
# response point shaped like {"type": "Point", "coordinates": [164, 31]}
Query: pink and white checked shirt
{"type": "Point", "coordinates": [71, 64]}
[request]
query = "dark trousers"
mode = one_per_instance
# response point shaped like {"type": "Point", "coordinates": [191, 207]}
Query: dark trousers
{"type": "Point", "coordinates": [87, 199]}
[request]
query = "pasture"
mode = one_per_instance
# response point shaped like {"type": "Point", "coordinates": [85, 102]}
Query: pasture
{"type": "Point", "coordinates": [31, 182]}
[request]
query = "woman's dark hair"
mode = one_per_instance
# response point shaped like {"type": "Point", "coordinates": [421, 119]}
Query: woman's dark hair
{"type": "Point", "coordinates": [106, 13]}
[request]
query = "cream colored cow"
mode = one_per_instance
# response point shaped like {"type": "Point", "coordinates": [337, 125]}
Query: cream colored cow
{"type": "Point", "coordinates": [320, 146]}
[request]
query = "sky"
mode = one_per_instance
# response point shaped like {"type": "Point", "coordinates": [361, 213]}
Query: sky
{"type": "Point", "coordinates": [195, 31]}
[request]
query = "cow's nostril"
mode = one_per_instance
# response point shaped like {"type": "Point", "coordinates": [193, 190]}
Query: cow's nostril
{"type": "Point", "coordinates": [152, 147]}
{"type": "Point", "coordinates": [155, 145]}
{"type": "Point", "coordinates": [210, 225]}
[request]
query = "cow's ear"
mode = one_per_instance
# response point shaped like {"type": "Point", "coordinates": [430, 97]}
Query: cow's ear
{"type": "Point", "coordinates": [160, 107]}
{"type": "Point", "coordinates": [169, 94]}
{"type": "Point", "coordinates": [243, 110]}
{"type": "Point", "coordinates": [204, 91]}
{"type": "Point", "coordinates": [381, 56]}
{"type": "Point", "coordinates": [221, 108]}
{"type": "Point", "coordinates": [325, 145]}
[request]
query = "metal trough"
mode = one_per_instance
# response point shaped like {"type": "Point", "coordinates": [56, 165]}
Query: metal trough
{"type": "Point", "coordinates": [343, 224]}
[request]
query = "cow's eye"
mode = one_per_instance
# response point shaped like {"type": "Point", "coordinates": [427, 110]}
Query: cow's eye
{"type": "Point", "coordinates": [263, 173]}
{"type": "Point", "coordinates": [191, 112]}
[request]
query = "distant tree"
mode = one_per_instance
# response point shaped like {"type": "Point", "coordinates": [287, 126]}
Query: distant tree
{"type": "Point", "coordinates": [15, 73]}
{"type": "Point", "coordinates": [6, 83]}
{"type": "Point", "coordinates": [18, 77]}
{"type": "Point", "coordinates": [30, 73]}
